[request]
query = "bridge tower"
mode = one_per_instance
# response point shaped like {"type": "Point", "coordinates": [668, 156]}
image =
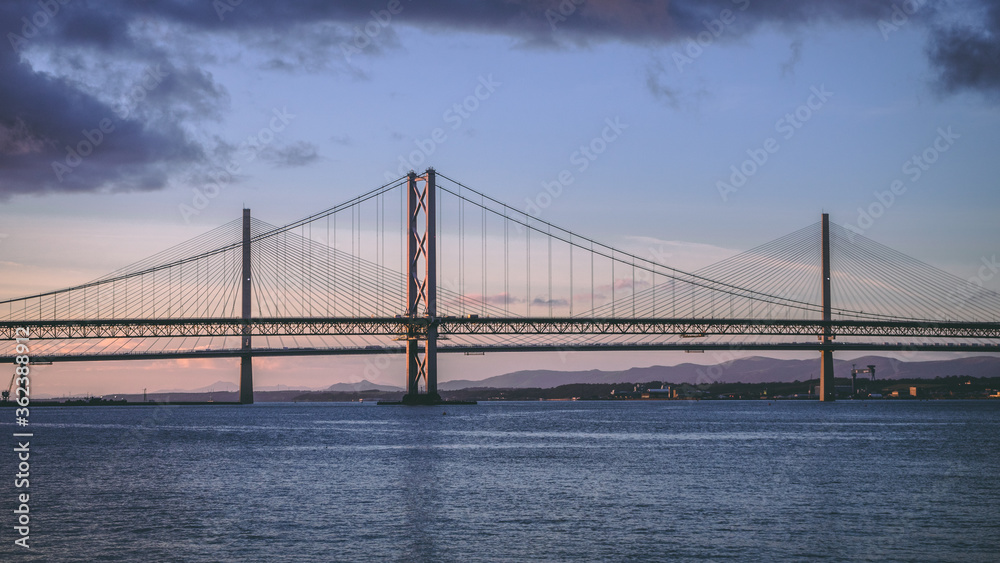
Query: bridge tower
{"type": "Point", "coordinates": [827, 391]}
{"type": "Point", "coordinates": [246, 359]}
{"type": "Point", "coordinates": [421, 289]}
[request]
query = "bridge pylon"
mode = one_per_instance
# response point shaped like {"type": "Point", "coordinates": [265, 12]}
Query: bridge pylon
{"type": "Point", "coordinates": [421, 290]}
{"type": "Point", "coordinates": [827, 389]}
{"type": "Point", "coordinates": [246, 358]}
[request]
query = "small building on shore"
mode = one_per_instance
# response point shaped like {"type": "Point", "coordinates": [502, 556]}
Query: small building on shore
{"type": "Point", "coordinates": [663, 393]}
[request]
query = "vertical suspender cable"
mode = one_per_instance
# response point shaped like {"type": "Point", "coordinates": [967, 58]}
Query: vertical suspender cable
{"type": "Point", "coordinates": [633, 287]}
{"type": "Point", "coordinates": [328, 291]}
{"type": "Point", "coordinates": [527, 283]}
{"type": "Point", "coordinates": [612, 283]}
{"type": "Point", "coordinates": [592, 304]}
{"type": "Point", "coordinates": [334, 273]}
{"type": "Point", "coordinates": [549, 239]}
{"type": "Point", "coordinates": [506, 265]}
{"type": "Point", "coordinates": [482, 204]}
{"type": "Point", "coordinates": [461, 251]}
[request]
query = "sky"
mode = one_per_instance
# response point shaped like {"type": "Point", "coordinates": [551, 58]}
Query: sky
{"type": "Point", "coordinates": [725, 124]}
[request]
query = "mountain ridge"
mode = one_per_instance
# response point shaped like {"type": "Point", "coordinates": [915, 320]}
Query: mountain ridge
{"type": "Point", "coordinates": [756, 369]}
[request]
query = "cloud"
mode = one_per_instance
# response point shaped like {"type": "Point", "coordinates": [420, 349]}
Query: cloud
{"type": "Point", "coordinates": [344, 140]}
{"type": "Point", "coordinates": [55, 137]}
{"type": "Point", "coordinates": [66, 71]}
{"type": "Point", "coordinates": [968, 57]}
{"type": "Point", "coordinates": [290, 156]}
{"type": "Point", "coordinates": [501, 299]}
{"type": "Point", "coordinates": [110, 115]}
{"type": "Point", "coordinates": [309, 45]}
{"type": "Point", "coordinates": [623, 284]}
{"type": "Point", "coordinates": [788, 67]}
{"type": "Point", "coordinates": [655, 77]}
{"type": "Point", "coordinates": [657, 80]}
{"type": "Point", "coordinates": [497, 299]}
{"type": "Point", "coordinates": [538, 301]}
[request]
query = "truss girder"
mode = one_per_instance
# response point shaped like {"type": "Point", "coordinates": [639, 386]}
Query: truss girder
{"type": "Point", "coordinates": [399, 326]}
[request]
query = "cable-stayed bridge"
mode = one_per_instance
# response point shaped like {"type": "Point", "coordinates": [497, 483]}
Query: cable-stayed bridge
{"type": "Point", "coordinates": [426, 265]}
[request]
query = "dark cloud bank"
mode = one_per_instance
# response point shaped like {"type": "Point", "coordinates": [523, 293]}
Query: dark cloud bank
{"type": "Point", "coordinates": [59, 135]}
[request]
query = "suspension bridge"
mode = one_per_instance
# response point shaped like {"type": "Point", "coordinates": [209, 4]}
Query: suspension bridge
{"type": "Point", "coordinates": [426, 265]}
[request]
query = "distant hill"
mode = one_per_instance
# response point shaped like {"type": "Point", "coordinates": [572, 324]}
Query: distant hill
{"type": "Point", "coordinates": [747, 370]}
{"type": "Point", "coordinates": [363, 385]}
{"type": "Point", "coordinates": [224, 386]}
{"type": "Point", "coordinates": [218, 386]}
{"type": "Point", "coordinates": [231, 387]}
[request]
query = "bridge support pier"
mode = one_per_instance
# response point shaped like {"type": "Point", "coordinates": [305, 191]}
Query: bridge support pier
{"type": "Point", "coordinates": [827, 388]}
{"type": "Point", "coordinates": [246, 360]}
{"type": "Point", "coordinates": [421, 290]}
{"type": "Point", "coordinates": [246, 379]}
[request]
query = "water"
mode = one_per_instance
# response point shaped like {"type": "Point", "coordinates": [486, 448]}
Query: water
{"type": "Point", "coordinates": [611, 481]}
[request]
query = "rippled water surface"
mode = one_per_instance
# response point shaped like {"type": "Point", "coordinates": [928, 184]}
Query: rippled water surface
{"type": "Point", "coordinates": [640, 481]}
